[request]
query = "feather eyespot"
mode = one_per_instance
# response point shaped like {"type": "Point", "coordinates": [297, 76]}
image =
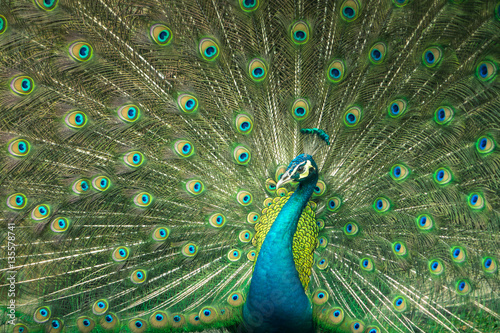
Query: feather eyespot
{"type": "Point", "coordinates": [189, 250]}
{"type": "Point", "coordinates": [251, 255]}
{"type": "Point", "coordinates": [372, 329]}
{"type": "Point", "coordinates": [129, 113]}
{"type": "Point", "coordinates": [3, 24]}
{"type": "Point", "coordinates": [399, 172]}
{"type": "Point", "coordinates": [178, 320]}
{"type": "Point", "coordinates": [143, 199]}
{"type": "Point", "coordinates": [59, 225]}
{"type": "Point", "coordinates": [443, 176]}
{"type": "Point", "coordinates": [335, 72]}
{"type": "Point", "coordinates": [432, 56]}
{"type": "Point", "coordinates": [486, 70]}
{"type": "Point", "coordinates": [350, 10]}
{"type": "Point", "coordinates": [158, 319]}
{"type": "Point", "coordinates": [138, 276]}
{"type": "Point", "coordinates": [381, 205]}
{"type": "Point", "coordinates": [300, 33]}
{"type": "Point", "coordinates": [194, 319]}
{"type": "Point", "coordinates": [425, 222]}
{"type": "Point", "coordinates": [281, 192]}
{"type": "Point", "coordinates": [357, 326]}
{"type": "Point", "coordinates": [245, 236]}
{"type": "Point", "coordinates": [320, 223]}
{"type": "Point", "coordinates": [47, 5]}
{"type": "Point", "coordinates": [267, 203]}
{"type": "Point", "coordinates": [160, 234]}
{"type": "Point", "coordinates": [334, 204]}
{"type": "Point", "coordinates": [234, 255]}
{"type": "Point", "coordinates": [109, 321]}
{"type": "Point", "coordinates": [366, 264]}
{"type": "Point", "coordinates": [300, 109]}
{"type": "Point", "coordinates": [56, 325]}
{"type": "Point", "coordinates": [244, 124]}
{"type": "Point", "coordinates": [476, 201]}
{"type": "Point", "coordinates": [241, 155]}
{"type": "Point", "coordinates": [322, 264]}
{"type": "Point", "coordinates": [436, 267]}
{"type": "Point", "coordinates": [81, 51]}
{"type": "Point", "coordinates": [244, 198]}
{"type": "Point", "coordinates": [399, 248]}
{"type": "Point", "coordinates": [195, 187]}
{"type": "Point", "coordinates": [401, 3]}
{"type": "Point", "coordinates": [280, 170]}
{"type": "Point", "coordinates": [101, 183]}
{"type": "Point", "coordinates": [270, 185]}
{"type": "Point", "coordinates": [257, 69]}
{"type": "Point", "coordinates": [76, 119]}
{"type": "Point", "coordinates": [322, 242]}
{"type": "Point", "coordinates": [443, 115]}
{"type": "Point", "coordinates": [352, 116]}
{"type": "Point", "coordinates": [85, 324]}
{"type": "Point", "coordinates": [17, 201]}
{"type": "Point", "coordinates": [399, 304]}
{"type": "Point", "coordinates": [377, 53]}
{"type": "Point", "coordinates": [320, 188]}
{"type": "Point", "coordinates": [485, 144]}
{"type": "Point", "coordinates": [336, 316]}
{"type": "Point", "coordinates": [100, 307]}
{"type": "Point", "coordinates": [249, 5]}
{"type": "Point", "coordinates": [253, 217]}
{"type": "Point", "coordinates": [19, 148]}
{"type": "Point", "coordinates": [133, 159]}
{"type": "Point", "coordinates": [458, 254]}
{"type": "Point", "coordinates": [187, 103]}
{"type": "Point", "coordinates": [137, 325]}
{"type": "Point", "coordinates": [489, 265]}
{"type": "Point", "coordinates": [351, 229]}
{"type": "Point", "coordinates": [42, 314]}
{"type": "Point", "coordinates": [209, 49]}
{"type": "Point", "coordinates": [320, 297]}
{"type": "Point", "coordinates": [184, 148]}
{"type": "Point", "coordinates": [236, 299]}
{"type": "Point", "coordinates": [463, 287]}
{"type": "Point", "coordinates": [81, 186]}
{"type": "Point", "coordinates": [161, 34]}
{"type": "Point", "coordinates": [121, 253]}
{"type": "Point", "coordinates": [397, 108]}
{"type": "Point", "coordinates": [22, 85]}
{"type": "Point", "coordinates": [40, 212]}
{"type": "Point", "coordinates": [208, 314]}
{"type": "Point", "coordinates": [217, 220]}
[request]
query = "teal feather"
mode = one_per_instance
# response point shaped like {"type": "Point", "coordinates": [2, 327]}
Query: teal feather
{"type": "Point", "coordinates": [146, 145]}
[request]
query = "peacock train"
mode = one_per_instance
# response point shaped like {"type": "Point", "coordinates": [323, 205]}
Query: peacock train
{"type": "Point", "coordinates": [250, 166]}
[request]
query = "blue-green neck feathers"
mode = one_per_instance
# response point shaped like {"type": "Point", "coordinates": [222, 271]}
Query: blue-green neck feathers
{"type": "Point", "coordinates": [276, 301]}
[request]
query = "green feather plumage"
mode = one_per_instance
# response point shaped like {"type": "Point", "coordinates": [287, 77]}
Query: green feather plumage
{"type": "Point", "coordinates": [46, 77]}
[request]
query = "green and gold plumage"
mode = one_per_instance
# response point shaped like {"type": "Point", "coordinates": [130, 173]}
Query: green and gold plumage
{"type": "Point", "coordinates": [143, 142]}
{"type": "Point", "coordinates": [305, 239]}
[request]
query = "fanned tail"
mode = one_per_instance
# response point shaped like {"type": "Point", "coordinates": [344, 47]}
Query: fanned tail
{"type": "Point", "coordinates": [143, 140]}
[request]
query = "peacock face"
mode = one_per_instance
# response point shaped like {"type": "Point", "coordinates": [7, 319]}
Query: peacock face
{"type": "Point", "coordinates": [301, 169]}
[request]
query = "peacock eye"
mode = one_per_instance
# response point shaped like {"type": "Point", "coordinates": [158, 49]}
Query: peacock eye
{"type": "Point", "coordinates": [300, 169]}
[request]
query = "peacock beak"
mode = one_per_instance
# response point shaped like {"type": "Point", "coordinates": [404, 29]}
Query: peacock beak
{"type": "Point", "coordinates": [286, 178]}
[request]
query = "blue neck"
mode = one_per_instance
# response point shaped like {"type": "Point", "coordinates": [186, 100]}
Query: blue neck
{"type": "Point", "coordinates": [277, 301]}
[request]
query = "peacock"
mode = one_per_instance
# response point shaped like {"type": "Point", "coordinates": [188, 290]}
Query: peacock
{"type": "Point", "coordinates": [250, 166]}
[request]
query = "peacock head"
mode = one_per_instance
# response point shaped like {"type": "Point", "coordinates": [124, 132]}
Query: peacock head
{"type": "Point", "coordinates": [301, 169]}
